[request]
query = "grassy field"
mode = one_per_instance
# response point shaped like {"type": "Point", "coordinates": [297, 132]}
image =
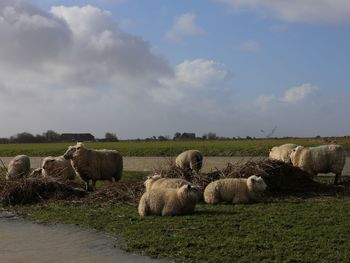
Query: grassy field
{"type": "Point", "coordinates": [299, 230]}
{"type": "Point", "coordinates": [164, 148]}
{"type": "Point", "coordinates": [307, 231]}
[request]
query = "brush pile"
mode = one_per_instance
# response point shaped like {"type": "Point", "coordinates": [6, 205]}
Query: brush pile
{"type": "Point", "coordinates": [115, 193]}
{"type": "Point", "coordinates": [33, 190]}
{"type": "Point", "coordinates": [283, 180]}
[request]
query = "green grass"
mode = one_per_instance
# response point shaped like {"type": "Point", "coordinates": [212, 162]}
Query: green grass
{"type": "Point", "coordinates": [163, 148]}
{"type": "Point", "coordinates": [313, 230]}
{"type": "Point", "coordinates": [309, 231]}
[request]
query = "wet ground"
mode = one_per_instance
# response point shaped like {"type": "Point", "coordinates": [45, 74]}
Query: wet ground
{"type": "Point", "coordinates": [25, 242]}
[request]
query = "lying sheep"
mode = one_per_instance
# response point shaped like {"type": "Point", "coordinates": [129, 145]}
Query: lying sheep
{"type": "Point", "coordinates": [168, 201]}
{"type": "Point", "coordinates": [321, 159]}
{"type": "Point", "coordinates": [191, 160]}
{"type": "Point", "coordinates": [158, 181]}
{"type": "Point", "coordinates": [18, 167]}
{"type": "Point", "coordinates": [57, 167]}
{"type": "Point", "coordinates": [95, 165]}
{"type": "Point", "coordinates": [235, 190]}
{"type": "Point", "coordinates": [282, 152]}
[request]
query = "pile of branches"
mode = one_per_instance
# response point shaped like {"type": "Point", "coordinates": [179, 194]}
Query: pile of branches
{"type": "Point", "coordinates": [116, 193]}
{"type": "Point", "coordinates": [33, 190]}
{"type": "Point", "coordinates": [281, 178]}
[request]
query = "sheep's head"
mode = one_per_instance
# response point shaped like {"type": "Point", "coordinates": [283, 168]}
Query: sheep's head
{"type": "Point", "coordinates": [257, 184]}
{"type": "Point", "coordinates": [295, 152]}
{"type": "Point", "coordinates": [189, 191]}
{"type": "Point", "coordinates": [47, 162]}
{"type": "Point", "coordinates": [150, 180]}
{"type": "Point", "coordinates": [73, 151]}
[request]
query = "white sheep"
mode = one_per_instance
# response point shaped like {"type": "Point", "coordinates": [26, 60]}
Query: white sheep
{"type": "Point", "coordinates": [95, 165]}
{"type": "Point", "coordinates": [235, 190]}
{"type": "Point", "coordinates": [282, 152]}
{"type": "Point", "coordinates": [168, 201]}
{"type": "Point", "coordinates": [57, 167]}
{"type": "Point", "coordinates": [191, 160]}
{"type": "Point", "coordinates": [321, 159]}
{"type": "Point", "coordinates": [157, 181]}
{"type": "Point", "coordinates": [18, 167]}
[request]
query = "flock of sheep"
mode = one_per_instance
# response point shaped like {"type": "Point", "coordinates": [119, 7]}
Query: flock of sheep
{"type": "Point", "coordinates": [176, 196]}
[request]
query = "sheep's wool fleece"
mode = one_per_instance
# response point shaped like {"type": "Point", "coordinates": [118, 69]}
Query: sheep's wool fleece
{"type": "Point", "coordinates": [18, 167]}
{"type": "Point", "coordinates": [282, 152]}
{"type": "Point", "coordinates": [157, 181]}
{"type": "Point", "coordinates": [234, 190]}
{"type": "Point", "coordinates": [321, 159]}
{"type": "Point", "coordinates": [191, 159]}
{"type": "Point", "coordinates": [168, 201]}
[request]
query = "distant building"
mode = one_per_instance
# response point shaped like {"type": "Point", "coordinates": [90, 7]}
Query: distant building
{"type": "Point", "coordinates": [77, 137]}
{"type": "Point", "coordinates": [188, 136]}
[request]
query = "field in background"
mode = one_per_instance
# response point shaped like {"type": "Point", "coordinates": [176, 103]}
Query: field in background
{"type": "Point", "coordinates": [167, 148]}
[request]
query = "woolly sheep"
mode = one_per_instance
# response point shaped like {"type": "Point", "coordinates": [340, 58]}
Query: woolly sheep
{"type": "Point", "coordinates": [168, 201]}
{"type": "Point", "coordinates": [190, 160]}
{"type": "Point", "coordinates": [18, 167]}
{"type": "Point", "coordinates": [282, 152]}
{"type": "Point", "coordinates": [321, 159]}
{"type": "Point", "coordinates": [57, 167]}
{"type": "Point", "coordinates": [235, 190]}
{"type": "Point", "coordinates": [95, 165]}
{"type": "Point", "coordinates": [157, 181]}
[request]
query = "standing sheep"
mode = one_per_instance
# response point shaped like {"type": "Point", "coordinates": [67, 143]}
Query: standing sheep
{"type": "Point", "coordinates": [321, 159]}
{"type": "Point", "coordinates": [18, 167]}
{"type": "Point", "coordinates": [168, 201]}
{"type": "Point", "coordinates": [157, 181]}
{"type": "Point", "coordinates": [57, 167]}
{"type": "Point", "coordinates": [282, 152]}
{"type": "Point", "coordinates": [95, 165]}
{"type": "Point", "coordinates": [235, 190]}
{"type": "Point", "coordinates": [190, 160]}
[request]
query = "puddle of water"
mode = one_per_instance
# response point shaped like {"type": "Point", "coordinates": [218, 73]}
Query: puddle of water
{"type": "Point", "coordinates": [25, 242]}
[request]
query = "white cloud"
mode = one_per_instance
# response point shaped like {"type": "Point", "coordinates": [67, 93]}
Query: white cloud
{"type": "Point", "coordinates": [250, 46]}
{"type": "Point", "coordinates": [296, 94]}
{"type": "Point", "coordinates": [75, 69]}
{"type": "Point", "coordinates": [184, 25]}
{"type": "Point", "coordinates": [192, 76]}
{"type": "Point", "coordinates": [291, 96]}
{"type": "Point", "coordinates": [309, 11]}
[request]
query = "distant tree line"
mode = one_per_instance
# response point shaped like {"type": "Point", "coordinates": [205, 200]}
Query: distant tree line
{"type": "Point", "coordinates": [52, 136]}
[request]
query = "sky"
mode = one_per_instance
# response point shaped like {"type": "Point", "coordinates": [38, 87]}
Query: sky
{"type": "Point", "coordinates": [141, 68]}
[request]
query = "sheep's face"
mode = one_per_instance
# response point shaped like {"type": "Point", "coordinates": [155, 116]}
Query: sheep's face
{"type": "Point", "coordinates": [48, 163]}
{"type": "Point", "coordinates": [188, 190]}
{"type": "Point", "coordinates": [295, 152]}
{"type": "Point", "coordinates": [257, 183]}
{"type": "Point", "coordinates": [73, 151]}
{"type": "Point", "coordinates": [150, 180]}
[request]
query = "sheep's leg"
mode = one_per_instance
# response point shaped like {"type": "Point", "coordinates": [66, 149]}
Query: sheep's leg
{"type": "Point", "coordinates": [93, 185]}
{"type": "Point", "coordinates": [87, 185]}
{"type": "Point", "coordinates": [336, 179]}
